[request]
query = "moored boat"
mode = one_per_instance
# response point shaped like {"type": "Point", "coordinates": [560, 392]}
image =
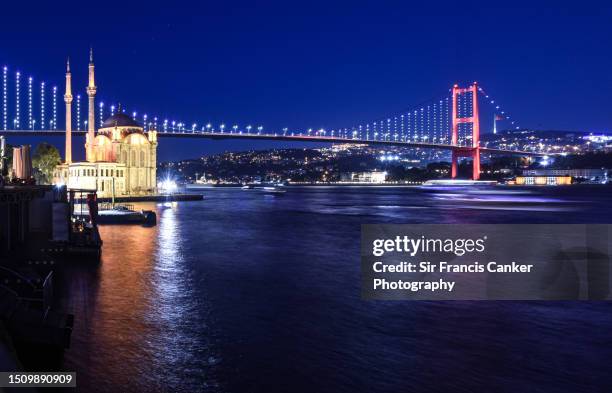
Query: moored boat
{"type": "Point", "coordinates": [124, 214]}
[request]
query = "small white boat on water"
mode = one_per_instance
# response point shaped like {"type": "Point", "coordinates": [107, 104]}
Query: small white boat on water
{"type": "Point", "coordinates": [274, 190]}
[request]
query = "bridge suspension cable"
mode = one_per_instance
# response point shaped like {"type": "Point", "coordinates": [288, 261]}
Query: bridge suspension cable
{"type": "Point", "coordinates": [499, 113]}
{"type": "Point", "coordinates": [428, 122]}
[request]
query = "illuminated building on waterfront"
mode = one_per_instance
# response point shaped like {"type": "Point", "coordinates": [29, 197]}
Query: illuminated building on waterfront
{"type": "Point", "coordinates": [121, 158]}
{"type": "Point", "coordinates": [365, 177]}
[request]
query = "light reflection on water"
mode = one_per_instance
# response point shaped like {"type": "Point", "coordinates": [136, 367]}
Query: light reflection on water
{"type": "Point", "coordinates": [246, 292]}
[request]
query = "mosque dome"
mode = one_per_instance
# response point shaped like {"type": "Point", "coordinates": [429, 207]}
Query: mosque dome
{"type": "Point", "coordinates": [120, 120]}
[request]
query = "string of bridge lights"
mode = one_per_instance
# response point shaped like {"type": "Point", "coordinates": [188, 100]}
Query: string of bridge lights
{"type": "Point", "coordinates": [78, 108]}
{"type": "Point", "coordinates": [16, 111]}
{"type": "Point", "coordinates": [429, 123]}
{"type": "Point", "coordinates": [30, 115]}
{"type": "Point", "coordinates": [17, 99]}
{"type": "Point", "coordinates": [4, 97]}
{"type": "Point", "coordinates": [498, 109]}
{"type": "Point", "coordinates": [42, 105]}
{"type": "Point", "coordinates": [166, 125]}
{"type": "Point", "coordinates": [54, 108]}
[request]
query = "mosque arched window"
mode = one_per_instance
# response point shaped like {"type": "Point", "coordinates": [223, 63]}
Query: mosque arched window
{"type": "Point", "coordinates": [142, 159]}
{"type": "Point", "coordinates": [133, 158]}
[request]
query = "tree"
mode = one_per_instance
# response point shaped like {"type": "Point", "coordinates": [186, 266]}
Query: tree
{"type": "Point", "coordinates": [46, 157]}
{"type": "Point", "coordinates": [8, 159]}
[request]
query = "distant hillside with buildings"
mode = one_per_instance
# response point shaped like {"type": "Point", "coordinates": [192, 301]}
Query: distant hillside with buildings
{"type": "Point", "coordinates": [569, 150]}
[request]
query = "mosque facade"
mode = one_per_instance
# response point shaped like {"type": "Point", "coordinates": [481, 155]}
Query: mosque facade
{"type": "Point", "coordinates": [121, 157]}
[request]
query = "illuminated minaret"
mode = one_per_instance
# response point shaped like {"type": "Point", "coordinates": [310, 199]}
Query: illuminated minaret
{"type": "Point", "coordinates": [68, 101]}
{"type": "Point", "coordinates": [91, 119]}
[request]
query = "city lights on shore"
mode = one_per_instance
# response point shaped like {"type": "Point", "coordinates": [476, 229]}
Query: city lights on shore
{"type": "Point", "coordinates": [167, 186]}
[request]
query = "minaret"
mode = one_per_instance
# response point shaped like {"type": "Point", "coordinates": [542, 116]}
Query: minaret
{"type": "Point", "coordinates": [91, 119]}
{"type": "Point", "coordinates": [68, 101]}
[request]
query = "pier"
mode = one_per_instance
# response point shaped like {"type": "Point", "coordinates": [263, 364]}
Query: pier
{"type": "Point", "coordinates": [155, 198]}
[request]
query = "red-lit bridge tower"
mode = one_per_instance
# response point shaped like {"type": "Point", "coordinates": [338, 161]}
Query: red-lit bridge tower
{"type": "Point", "coordinates": [466, 151]}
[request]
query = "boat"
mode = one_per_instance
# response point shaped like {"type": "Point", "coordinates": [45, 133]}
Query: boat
{"type": "Point", "coordinates": [247, 187]}
{"type": "Point", "coordinates": [459, 182]}
{"type": "Point", "coordinates": [124, 214]}
{"type": "Point", "coordinates": [200, 183]}
{"type": "Point", "coordinates": [274, 190]}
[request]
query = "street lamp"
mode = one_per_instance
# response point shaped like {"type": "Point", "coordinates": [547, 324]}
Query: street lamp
{"type": "Point", "coordinates": [248, 128]}
{"type": "Point", "coordinates": [259, 130]}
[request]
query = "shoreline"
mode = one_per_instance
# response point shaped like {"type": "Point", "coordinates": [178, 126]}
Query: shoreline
{"type": "Point", "coordinates": [377, 185]}
{"type": "Point", "coordinates": [179, 197]}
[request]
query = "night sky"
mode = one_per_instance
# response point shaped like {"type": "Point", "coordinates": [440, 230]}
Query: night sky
{"type": "Point", "coordinates": [308, 64]}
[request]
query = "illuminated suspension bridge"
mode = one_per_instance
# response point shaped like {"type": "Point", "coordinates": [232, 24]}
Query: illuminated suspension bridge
{"type": "Point", "coordinates": [450, 122]}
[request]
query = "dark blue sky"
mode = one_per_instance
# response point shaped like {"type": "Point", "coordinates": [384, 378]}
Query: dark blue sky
{"type": "Point", "coordinates": [329, 64]}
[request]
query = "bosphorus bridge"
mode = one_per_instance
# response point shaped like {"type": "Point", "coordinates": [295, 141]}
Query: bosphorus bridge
{"type": "Point", "coordinates": [450, 122]}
